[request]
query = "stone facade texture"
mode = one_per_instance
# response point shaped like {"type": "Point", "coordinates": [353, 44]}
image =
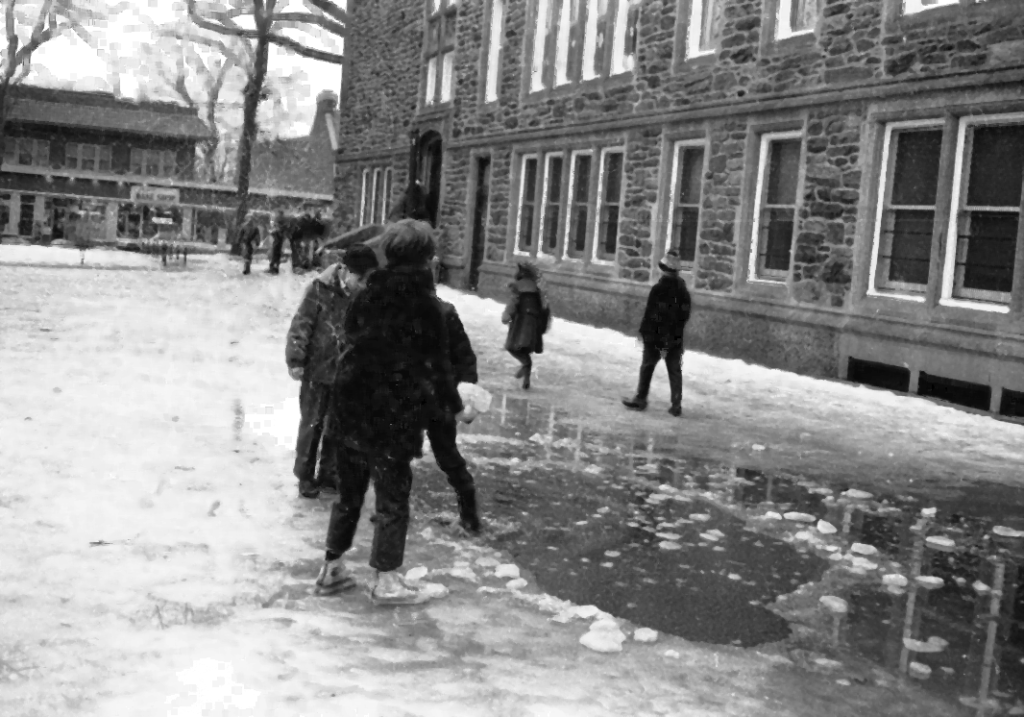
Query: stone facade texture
{"type": "Point", "coordinates": [826, 84]}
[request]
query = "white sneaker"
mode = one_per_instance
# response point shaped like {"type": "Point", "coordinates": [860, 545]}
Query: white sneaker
{"type": "Point", "coordinates": [390, 590]}
{"type": "Point", "coordinates": [334, 578]}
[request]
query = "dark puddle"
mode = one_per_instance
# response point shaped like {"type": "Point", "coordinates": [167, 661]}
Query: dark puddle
{"type": "Point", "coordinates": [630, 524]}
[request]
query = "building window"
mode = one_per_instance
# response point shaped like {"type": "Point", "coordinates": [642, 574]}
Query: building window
{"type": "Point", "coordinates": [440, 50]}
{"type": "Point", "coordinates": [385, 196]}
{"type": "Point", "coordinates": [551, 209]}
{"type": "Point", "coordinates": [610, 196]}
{"type": "Point", "coordinates": [906, 208]}
{"type": "Point", "coordinates": [366, 199]}
{"type": "Point", "coordinates": [912, 7]}
{"type": "Point", "coordinates": [579, 205]}
{"type": "Point", "coordinates": [985, 226]}
{"type": "Point", "coordinates": [87, 157]}
{"type": "Point", "coordinates": [378, 193]}
{"type": "Point", "coordinates": [775, 206]}
{"type": "Point", "coordinates": [31, 152]}
{"type": "Point", "coordinates": [494, 50]}
{"type": "Point", "coordinates": [705, 30]}
{"type": "Point", "coordinates": [796, 17]}
{"type": "Point", "coordinates": [687, 183]}
{"type": "Point", "coordinates": [527, 206]}
{"type": "Point", "coordinates": [153, 162]}
{"type": "Point", "coordinates": [624, 36]}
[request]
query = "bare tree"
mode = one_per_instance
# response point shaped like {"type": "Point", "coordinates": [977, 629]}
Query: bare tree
{"type": "Point", "coordinates": [260, 24]}
{"type": "Point", "coordinates": [28, 24]}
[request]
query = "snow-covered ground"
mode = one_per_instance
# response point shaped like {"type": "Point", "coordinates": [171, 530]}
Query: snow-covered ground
{"type": "Point", "coordinates": [156, 559]}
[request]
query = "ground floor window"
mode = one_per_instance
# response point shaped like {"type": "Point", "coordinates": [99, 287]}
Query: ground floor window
{"type": "Point", "coordinates": [686, 191]}
{"type": "Point", "coordinates": [775, 208]}
{"type": "Point", "coordinates": [375, 196]}
{"type": "Point", "coordinates": [143, 221]}
{"type": "Point", "coordinates": [27, 216]}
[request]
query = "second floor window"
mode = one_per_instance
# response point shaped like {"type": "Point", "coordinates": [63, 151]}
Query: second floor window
{"type": "Point", "coordinates": [705, 31]}
{"type": "Point", "coordinates": [493, 66]}
{"type": "Point", "coordinates": [87, 157]}
{"type": "Point", "coordinates": [440, 50]}
{"type": "Point", "coordinates": [27, 152]}
{"type": "Point", "coordinates": [153, 162]}
{"type": "Point", "coordinates": [578, 40]}
{"type": "Point", "coordinates": [796, 17]}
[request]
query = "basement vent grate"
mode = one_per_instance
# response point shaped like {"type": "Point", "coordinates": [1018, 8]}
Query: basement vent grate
{"type": "Point", "coordinates": [962, 393]}
{"type": "Point", "coordinates": [1012, 404]}
{"type": "Point", "coordinates": [879, 375]}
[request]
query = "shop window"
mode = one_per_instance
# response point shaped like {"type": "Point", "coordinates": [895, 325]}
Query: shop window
{"type": "Point", "coordinates": [143, 221]}
{"type": "Point", "coordinates": [439, 51]}
{"type": "Point", "coordinates": [775, 206]}
{"type": "Point", "coordinates": [609, 207]}
{"type": "Point", "coordinates": [704, 33]}
{"type": "Point", "coordinates": [551, 209]}
{"type": "Point", "coordinates": [985, 224]}
{"type": "Point", "coordinates": [495, 32]}
{"type": "Point", "coordinates": [5, 212]}
{"type": "Point", "coordinates": [579, 205]}
{"type": "Point", "coordinates": [907, 205]}
{"type": "Point", "coordinates": [527, 206]}
{"type": "Point", "coordinates": [796, 17]}
{"type": "Point", "coordinates": [26, 219]}
{"type": "Point", "coordinates": [687, 184]}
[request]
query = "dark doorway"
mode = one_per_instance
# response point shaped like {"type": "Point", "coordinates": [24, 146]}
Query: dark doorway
{"type": "Point", "coordinates": [480, 211]}
{"type": "Point", "coordinates": [430, 172]}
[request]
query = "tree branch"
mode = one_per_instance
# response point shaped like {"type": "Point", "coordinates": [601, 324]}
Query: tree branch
{"type": "Point", "coordinates": [299, 49]}
{"type": "Point", "coordinates": [328, 8]}
{"type": "Point", "coordinates": [309, 18]}
{"type": "Point", "coordinates": [219, 28]}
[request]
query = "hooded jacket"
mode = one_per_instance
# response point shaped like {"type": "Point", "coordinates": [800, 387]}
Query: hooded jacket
{"type": "Point", "coordinates": [317, 333]}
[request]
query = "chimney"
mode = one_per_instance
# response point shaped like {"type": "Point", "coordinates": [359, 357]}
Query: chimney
{"type": "Point", "coordinates": [326, 101]}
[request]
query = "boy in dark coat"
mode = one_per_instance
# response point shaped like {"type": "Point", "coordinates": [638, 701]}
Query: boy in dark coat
{"type": "Point", "coordinates": [249, 238]}
{"type": "Point", "coordinates": [524, 315]}
{"type": "Point", "coordinates": [668, 310]}
{"type": "Point", "coordinates": [395, 377]}
{"type": "Point", "coordinates": [443, 428]}
{"type": "Point", "coordinates": [315, 342]}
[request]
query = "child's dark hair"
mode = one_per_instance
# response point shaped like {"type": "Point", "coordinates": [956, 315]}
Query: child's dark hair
{"type": "Point", "coordinates": [360, 259]}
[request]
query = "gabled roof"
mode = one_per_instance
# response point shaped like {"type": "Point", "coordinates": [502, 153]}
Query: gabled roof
{"type": "Point", "coordinates": [301, 163]}
{"type": "Point", "coordinates": [103, 111]}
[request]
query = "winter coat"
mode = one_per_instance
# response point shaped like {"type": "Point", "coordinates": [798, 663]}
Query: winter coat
{"type": "Point", "coordinates": [523, 315]}
{"type": "Point", "coordinates": [396, 374]}
{"type": "Point", "coordinates": [668, 310]}
{"type": "Point", "coordinates": [317, 333]}
{"type": "Point", "coordinates": [250, 239]}
{"type": "Point", "coordinates": [460, 351]}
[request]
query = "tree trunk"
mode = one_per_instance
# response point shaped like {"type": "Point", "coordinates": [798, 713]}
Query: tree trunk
{"type": "Point", "coordinates": [211, 145]}
{"type": "Point", "coordinates": [4, 85]}
{"type": "Point", "coordinates": [253, 90]}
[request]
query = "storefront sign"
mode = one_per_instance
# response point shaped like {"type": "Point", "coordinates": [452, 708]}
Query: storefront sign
{"type": "Point", "coordinates": [155, 195]}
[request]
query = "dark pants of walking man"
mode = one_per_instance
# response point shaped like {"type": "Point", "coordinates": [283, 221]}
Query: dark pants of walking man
{"type": "Point", "coordinates": [674, 364]}
{"type": "Point", "coordinates": [314, 402]}
{"type": "Point", "coordinates": [296, 247]}
{"type": "Point", "coordinates": [247, 252]}
{"type": "Point", "coordinates": [392, 482]}
{"type": "Point", "coordinates": [276, 248]}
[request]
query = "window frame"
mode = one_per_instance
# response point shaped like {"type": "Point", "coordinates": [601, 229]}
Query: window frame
{"type": "Point", "coordinates": [363, 197]}
{"type": "Point", "coordinates": [434, 81]}
{"type": "Point", "coordinates": [884, 192]}
{"type": "Point", "coordinates": [378, 184]}
{"type": "Point", "coordinates": [783, 25]}
{"type": "Point", "coordinates": [532, 249]}
{"type": "Point", "coordinates": [760, 192]}
{"type": "Point", "coordinates": [36, 147]}
{"type": "Point", "coordinates": [673, 193]}
{"type": "Point", "coordinates": [919, 7]}
{"type": "Point", "coordinates": [570, 205]}
{"type": "Point", "coordinates": [600, 203]}
{"type": "Point", "coordinates": [961, 172]}
{"type": "Point", "coordinates": [545, 204]}
{"type": "Point", "coordinates": [694, 31]}
{"type": "Point", "coordinates": [494, 52]}
{"type": "Point", "coordinates": [386, 194]}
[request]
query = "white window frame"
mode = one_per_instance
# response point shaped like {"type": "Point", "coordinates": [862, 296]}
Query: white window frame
{"type": "Point", "coordinates": [563, 39]}
{"type": "Point", "coordinates": [674, 192]}
{"type": "Point", "coordinates": [519, 209]}
{"type": "Point", "coordinates": [755, 227]}
{"type": "Point", "coordinates": [569, 205]}
{"type": "Point", "coordinates": [378, 176]}
{"type": "Point", "coordinates": [544, 203]}
{"type": "Point", "coordinates": [621, 62]}
{"type": "Point", "coordinates": [783, 26]}
{"type": "Point", "coordinates": [540, 42]}
{"type": "Point", "coordinates": [386, 194]}
{"type": "Point", "coordinates": [362, 197]}
{"type": "Point", "coordinates": [494, 50]}
{"type": "Point", "coordinates": [884, 178]}
{"type": "Point", "coordinates": [587, 69]}
{"type": "Point", "coordinates": [599, 202]}
{"type": "Point", "coordinates": [693, 31]}
{"type": "Point", "coordinates": [946, 297]}
{"type": "Point", "coordinates": [912, 7]}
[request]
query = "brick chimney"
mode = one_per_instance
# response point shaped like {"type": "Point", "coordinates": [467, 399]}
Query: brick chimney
{"type": "Point", "coordinates": [326, 101]}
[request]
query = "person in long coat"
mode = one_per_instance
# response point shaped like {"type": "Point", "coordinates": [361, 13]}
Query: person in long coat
{"type": "Point", "coordinates": [395, 376]}
{"type": "Point", "coordinates": [525, 315]}
{"type": "Point", "coordinates": [661, 330]}
{"type": "Point", "coordinates": [250, 239]}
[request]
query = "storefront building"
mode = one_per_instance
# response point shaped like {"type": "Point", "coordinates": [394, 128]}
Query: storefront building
{"type": "Point", "coordinates": [87, 164]}
{"type": "Point", "coordinates": [842, 180]}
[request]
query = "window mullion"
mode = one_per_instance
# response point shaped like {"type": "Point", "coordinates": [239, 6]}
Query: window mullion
{"type": "Point", "coordinates": [538, 202]}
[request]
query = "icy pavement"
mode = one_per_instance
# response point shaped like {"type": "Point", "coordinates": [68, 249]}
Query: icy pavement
{"type": "Point", "coordinates": [157, 560]}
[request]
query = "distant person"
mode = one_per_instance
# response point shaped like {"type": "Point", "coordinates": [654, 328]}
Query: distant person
{"type": "Point", "coordinates": [250, 239]}
{"type": "Point", "coordinates": [527, 315]}
{"type": "Point", "coordinates": [277, 242]}
{"type": "Point", "coordinates": [661, 330]}
{"type": "Point", "coordinates": [395, 377]}
{"type": "Point", "coordinates": [314, 346]}
{"type": "Point", "coordinates": [295, 244]}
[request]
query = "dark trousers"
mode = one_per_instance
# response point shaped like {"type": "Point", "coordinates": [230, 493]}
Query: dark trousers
{"type": "Point", "coordinates": [392, 482]}
{"type": "Point", "coordinates": [276, 247]}
{"type": "Point", "coordinates": [674, 364]}
{"type": "Point", "coordinates": [522, 356]}
{"type": "Point", "coordinates": [314, 404]}
{"type": "Point", "coordinates": [442, 433]}
{"type": "Point", "coordinates": [296, 246]}
{"type": "Point", "coordinates": [247, 253]}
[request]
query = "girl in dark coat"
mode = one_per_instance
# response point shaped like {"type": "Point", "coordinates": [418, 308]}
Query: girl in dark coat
{"type": "Point", "coordinates": [526, 314]}
{"type": "Point", "coordinates": [395, 376]}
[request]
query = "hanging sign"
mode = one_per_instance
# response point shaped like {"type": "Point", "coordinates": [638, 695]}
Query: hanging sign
{"type": "Point", "coordinates": [155, 195]}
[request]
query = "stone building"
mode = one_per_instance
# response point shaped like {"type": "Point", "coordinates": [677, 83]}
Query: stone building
{"type": "Point", "coordinates": [842, 179]}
